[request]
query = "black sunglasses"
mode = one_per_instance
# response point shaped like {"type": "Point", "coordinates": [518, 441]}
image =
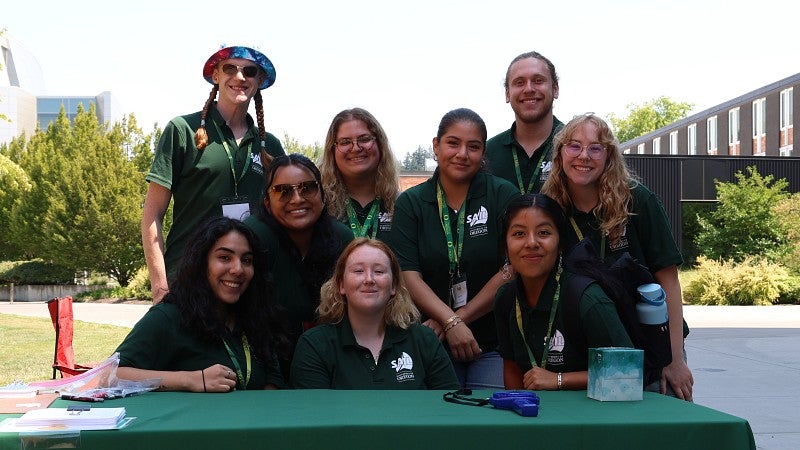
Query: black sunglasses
{"type": "Point", "coordinates": [305, 189]}
{"type": "Point", "coordinates": [248, 71]}
{"type": "Point", "coordinates": [462, 397]}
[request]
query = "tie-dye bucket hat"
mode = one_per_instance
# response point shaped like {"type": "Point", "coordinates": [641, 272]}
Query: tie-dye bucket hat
{"type": "Point", "coordinates": [243, 53]}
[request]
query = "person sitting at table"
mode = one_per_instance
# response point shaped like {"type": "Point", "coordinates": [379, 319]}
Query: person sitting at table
{"type": "Point", "coordinates": [359, 173]}
{"type": "Point", "coordinates": [217, 329]}
{"type": "Point", "coordinates": [371, 337]}
{"type": "Point", "coordinates": [537, 352]}
{"type": "Point", "coordinates": [301, 239]}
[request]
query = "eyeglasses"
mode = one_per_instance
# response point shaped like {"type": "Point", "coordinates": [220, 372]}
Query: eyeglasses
{"type": "Point", "coordinates": [364, 143]}
{"type": "Point", "coordinates": [305, 189]}
{"type": "Point", "coordinates": [574, 148]}
{"type": "Point", "coordinates": [233, 69]}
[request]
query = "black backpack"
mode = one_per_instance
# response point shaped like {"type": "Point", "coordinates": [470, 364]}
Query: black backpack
{"type": "Point", "coordinates": [619, 281]}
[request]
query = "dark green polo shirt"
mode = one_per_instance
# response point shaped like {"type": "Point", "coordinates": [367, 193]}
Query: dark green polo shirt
{"type": "Point", "coordinates": [200, 180]}
{"type": "Point", "coordinates": [289, 289]}
{"type": "Point", "coordinates": [598, 318]}
{"type": "Point", "coordinates": [501, 161]}
{"type": "Point", "coordinates": [159, 341]}
{"type": "Point", "coordinates": [647, 237]}
{"type": "Point", "coordinates": [384, 219]}
{"type": "Point", "coordinates": [419, 241]}
{"type": "Point", "coordinates": [328, 357]}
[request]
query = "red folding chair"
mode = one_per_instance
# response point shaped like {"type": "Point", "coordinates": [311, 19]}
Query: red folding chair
{"type": "Point", "coordinates": [64, 356]}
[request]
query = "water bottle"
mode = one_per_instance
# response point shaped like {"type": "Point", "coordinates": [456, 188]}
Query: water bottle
{"type": "Point", "coordinates": [654, 323]}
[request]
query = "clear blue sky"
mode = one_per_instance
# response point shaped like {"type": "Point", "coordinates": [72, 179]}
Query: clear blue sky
{"type": "Point", "coordinates": [407, 62]}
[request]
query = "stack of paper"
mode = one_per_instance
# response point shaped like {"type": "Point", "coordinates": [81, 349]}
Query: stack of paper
{"type": "Point", "coordinates": [94, 418]}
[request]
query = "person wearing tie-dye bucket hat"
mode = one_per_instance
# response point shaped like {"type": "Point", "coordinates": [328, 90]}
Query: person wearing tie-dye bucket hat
{"type": "Point", "coordinates": [209, 163]}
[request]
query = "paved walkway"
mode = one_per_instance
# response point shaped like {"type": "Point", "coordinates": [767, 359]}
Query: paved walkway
{"type": "Point", "coordinates": [745, 360]}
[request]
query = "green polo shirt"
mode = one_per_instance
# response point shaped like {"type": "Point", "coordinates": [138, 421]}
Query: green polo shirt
{"type": "Point", "coordinates": [384, 225]}
{"type": "Point", "coordinates": [289, 288]}
{"type": "Point", "coordinates": [159, 341]}
{"type": "Point", "coordinates": [501, 161]}
{"type": "Point", "coordinates": [647, 236]}
{"type": "Point", "coordinates": [598, 318]}
{"type": "Point", "coordinates": [328, 357]}
{"type": "Point", "coordinates": [419, 241]}
{"type": "Point", "coordinates": [200, 180]}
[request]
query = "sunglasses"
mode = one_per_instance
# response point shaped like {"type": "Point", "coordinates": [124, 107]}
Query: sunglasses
{"type": "Point", "coordinates": [247, 71]}
{"type": "Point", "coordinates": [305, 189]}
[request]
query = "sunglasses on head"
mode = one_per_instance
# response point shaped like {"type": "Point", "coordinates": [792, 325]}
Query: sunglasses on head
{"type": "Point", "coordinates": [248, 71]}
{"type": "Point", "coordinates": [305, 189]}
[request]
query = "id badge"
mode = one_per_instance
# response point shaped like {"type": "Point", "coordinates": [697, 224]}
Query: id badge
{"type": "Point", "coordinates": [235, 207]}
{"type": "Point", "coordinates": [458, 290]}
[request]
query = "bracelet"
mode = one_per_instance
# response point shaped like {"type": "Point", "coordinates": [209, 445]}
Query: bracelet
{"type": "Point", "coordinates": [559, 381]}
{"type": "Point", "coordinates": [452, 324]}
{"type": "Point", "coordinates": [204, 380]}
{"type": "Point", "coordinates": [447, 323]}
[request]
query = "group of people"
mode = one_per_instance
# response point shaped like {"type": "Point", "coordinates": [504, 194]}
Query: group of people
{"type": "Point", "coordinates": [277, 273]}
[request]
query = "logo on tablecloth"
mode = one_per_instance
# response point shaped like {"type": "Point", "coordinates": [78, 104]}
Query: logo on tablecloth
{"type": "Point", "coordinates": [403, 366]}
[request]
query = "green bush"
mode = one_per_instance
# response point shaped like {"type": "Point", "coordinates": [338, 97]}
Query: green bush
{"type": "Point", "coordinates": [750, 282]}
{"type": "Point", "coordinates": [138, 288]}
{"type": "Point", "coordinates": [34, 272]}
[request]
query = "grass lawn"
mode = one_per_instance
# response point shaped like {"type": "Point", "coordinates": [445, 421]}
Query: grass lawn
{"type": "Point", "coordinates": [26, 352]}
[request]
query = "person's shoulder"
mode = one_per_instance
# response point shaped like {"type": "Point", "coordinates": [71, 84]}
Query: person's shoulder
{"type": "Point", "coordinates": [320, 333]}
{"type": "Point", "coordinates": [500, 138]}
{"type": "Point", "coordinates": [341, 230]}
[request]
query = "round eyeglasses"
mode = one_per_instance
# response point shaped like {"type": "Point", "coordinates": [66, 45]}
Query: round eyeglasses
{"type": "Point", "coordinates": [574, 148]}
{"type": "Point", "coordinates": [363, 142]}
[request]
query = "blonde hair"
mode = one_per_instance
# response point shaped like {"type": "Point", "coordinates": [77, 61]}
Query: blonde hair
{"type": "Point", "coordinates": [615, 182]}
{"type": "Point", "coordinates": [400, 310]}
{"type": "Point", "coordinates": [386, 185]}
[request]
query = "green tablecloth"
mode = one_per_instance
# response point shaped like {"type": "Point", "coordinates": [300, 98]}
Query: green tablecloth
{"type": "Point", "coordinates": [408, 420]}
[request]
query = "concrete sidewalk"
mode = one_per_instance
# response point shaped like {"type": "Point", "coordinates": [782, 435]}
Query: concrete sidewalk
{"type": "Point", "coordinates": [745, 360]}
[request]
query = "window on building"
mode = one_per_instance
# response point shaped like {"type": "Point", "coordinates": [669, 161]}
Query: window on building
{"type": "Point", "coordinates": [691, 139]}
{"type": "Point", "coordinates": [640, 149]}
{"type": "Point", "coordinates": [787, 122]}
{"type": "Point", "coordinates": [711, 135]}
{"type": "Point", "coordinates": [673, 143]}
{"type": "Point", "coordinates": [759, 127]}
{"type": "Point", "coordinates": [657, 146]}
{"type": "Point", "coordinates": [733, 132]}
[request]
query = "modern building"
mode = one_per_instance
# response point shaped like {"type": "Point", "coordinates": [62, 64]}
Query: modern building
{"type": "Point", "coordinates": [759, 123]}
{"type": "Point", "coordinates": [25, 103]}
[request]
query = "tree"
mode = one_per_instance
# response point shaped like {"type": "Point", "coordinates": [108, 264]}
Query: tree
{"type": "Point", "coordinates": [744, 223]}
{"type": "Point", "coordinates": [84, 208]}
{"type": "Point", "coordinates": [14, 185]}
{"type": "Point", "coordinates": [647, 117]}
{"type": "Point", "coordinates": [415, 161]}
{"type": "Point", "coordinates": [292, 145]}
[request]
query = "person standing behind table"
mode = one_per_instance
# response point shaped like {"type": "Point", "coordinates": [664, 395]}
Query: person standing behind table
{"type": "Point", "coordinates": [209, 162]}
{"type": "Point", "coordinates": [359, 174]}
{"type": "Point", "coordinates": [301, 239]}
{"type": "Point", "coordinates": [591, 181]}
{"type": "Point", "coordinates": [367, 315]}
{"type": "Point", "coordinates": [521, 154]}
{"type": "Point", "coordinates": [447, 235]}
{"type": "Point", "coordinates": [538, 353]}
{"type": "Point", "coordinates": [217, 329]}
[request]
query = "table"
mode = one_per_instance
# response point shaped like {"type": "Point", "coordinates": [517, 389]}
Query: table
{"type": "Point", "coordinates": [408, 420]}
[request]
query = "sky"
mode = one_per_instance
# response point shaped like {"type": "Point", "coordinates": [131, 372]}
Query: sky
{"type": "Point", "coordinates": [409, 62]}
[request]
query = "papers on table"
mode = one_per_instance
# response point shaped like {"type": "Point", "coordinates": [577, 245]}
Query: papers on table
{"type": "Point", "coordinates": [51, 419]}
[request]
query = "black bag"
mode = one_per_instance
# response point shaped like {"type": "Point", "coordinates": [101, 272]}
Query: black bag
{"type": "Point", "coordinates": [619, 281]}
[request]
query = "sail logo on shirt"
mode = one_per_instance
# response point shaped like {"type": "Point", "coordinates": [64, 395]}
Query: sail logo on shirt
{"type": "Point", "coordinates": [555, 352]}
{"type": "Point", "coordinates": [477, 222]}
{"type": "Point", "coordinates": [621, 242]}
{"type": "Point", "coordinates": [546, 167]}
{"type": "Point", "coordinates": [403, 366]}
{"type": "Point", "coordinates": [257, 166]}
{"type": "Point", "coordinates": [385, 221]}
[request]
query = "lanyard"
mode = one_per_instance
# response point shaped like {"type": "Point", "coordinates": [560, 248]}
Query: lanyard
{"type": "Point", "coordinates": [243, 381]}
{"type": "Point", "coordinates": [230, 160]}
{"type": "Point", "coordinates": [547, 336]}
{"type": "Point", "coordinates": [453, 252]}
{"type": "Point", "coordinates": [580, 237]}
{"type": "Point", "coordinates": [371, 221]}
{"type": "Point", "coordinates": [519, 172]}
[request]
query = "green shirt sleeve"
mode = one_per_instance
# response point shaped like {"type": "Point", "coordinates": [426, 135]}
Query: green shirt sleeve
{"type": "Point", "coordinates": [309, 368]}
{"type": "Point", "coordinates": [601, 323]}
{"type": "Point", "coordinates": [439, 372]}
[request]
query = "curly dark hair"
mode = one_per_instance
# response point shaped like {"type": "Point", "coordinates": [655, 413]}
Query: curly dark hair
{"type": "Point", "coordinates": [256, 312]}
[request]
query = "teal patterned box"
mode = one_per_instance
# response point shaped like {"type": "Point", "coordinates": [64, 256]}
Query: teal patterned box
{"type": "Point", "coordinates": [615, 374]}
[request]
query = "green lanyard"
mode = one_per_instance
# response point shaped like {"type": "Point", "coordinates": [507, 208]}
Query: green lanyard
{"type": "Point", "coordinates": [453, 252]}
{"type": "Point", "coordinates": [547, 336]}
{"type": "Point", "coordinates": [580, 237]}
{"type": "Point", "coordinates": [242, 380]}
{"type": "Point", "coordinates": [519, 172]}
{"type": "Point", "coordinates": [371, 222]}
{"type": "Point", "coordinates": [230, 160]}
